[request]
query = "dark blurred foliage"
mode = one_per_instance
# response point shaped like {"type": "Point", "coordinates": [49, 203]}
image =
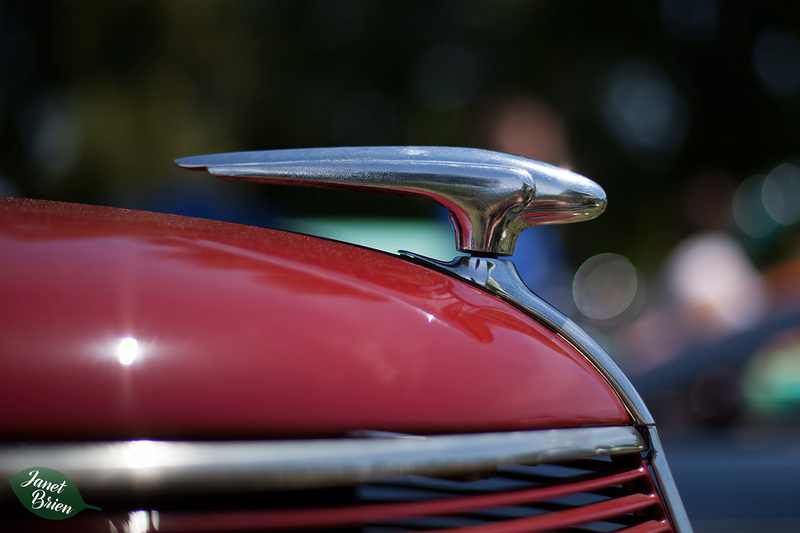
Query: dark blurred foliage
{"type": "Point", "coordinates": [659, 99]}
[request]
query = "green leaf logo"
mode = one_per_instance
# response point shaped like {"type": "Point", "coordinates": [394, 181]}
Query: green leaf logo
{"type": "Point", "coordinates": [48, 493]}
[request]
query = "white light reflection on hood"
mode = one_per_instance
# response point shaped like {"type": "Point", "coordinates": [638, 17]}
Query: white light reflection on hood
{"type": "Point", "coordinates": [127, 350]}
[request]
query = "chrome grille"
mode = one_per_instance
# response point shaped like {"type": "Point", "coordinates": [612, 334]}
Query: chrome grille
{"type": "Point", "coordinates": [596, 496]}
{"type": "Point", "coordinates": [601, 495]}
{"type": "Point", "coordinates": [548, 480]}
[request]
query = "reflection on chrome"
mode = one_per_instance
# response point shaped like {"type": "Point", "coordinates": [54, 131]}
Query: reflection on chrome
{"type": "Point", "coordinates": [141, 522]}
{"type": "Point", "coordinates": [127, 350]}
{"type": "Point", "coordinates": [168, 467]}
{"type": "Point", "coordinates": [142, 454]}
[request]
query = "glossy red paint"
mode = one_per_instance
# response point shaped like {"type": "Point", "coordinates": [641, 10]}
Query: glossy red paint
{"type": "Point", "coordinates": [249, 332]}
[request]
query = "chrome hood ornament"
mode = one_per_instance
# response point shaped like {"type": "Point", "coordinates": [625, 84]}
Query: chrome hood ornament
{"type": "Point", "coordinates": [491, 196]}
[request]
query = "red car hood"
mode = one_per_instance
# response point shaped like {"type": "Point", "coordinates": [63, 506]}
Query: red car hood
{"type": "Point", "coordinates": [249, 332]}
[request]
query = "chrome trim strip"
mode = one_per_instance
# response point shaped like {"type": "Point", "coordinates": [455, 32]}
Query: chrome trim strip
{"type": "Point", "coordinates": [166, 467]}
{"type": "Point", "coordinates": [492, 197]}
{"type": "Point", "coordinates": [500, 277]}
{"type": "Point", "coordinates": [666, 483]}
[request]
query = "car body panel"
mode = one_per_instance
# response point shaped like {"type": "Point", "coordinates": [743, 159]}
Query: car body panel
{"type": "Point", "coordinates": [249, 332]}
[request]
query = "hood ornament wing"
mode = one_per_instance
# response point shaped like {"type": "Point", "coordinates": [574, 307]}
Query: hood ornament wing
{"type": "Point", "coordinates": [491, 196]}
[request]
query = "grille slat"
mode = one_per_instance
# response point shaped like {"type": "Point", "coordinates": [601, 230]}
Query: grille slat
{"type": "Point", "coordinates": [567, 518]}
{"type": "Point", "coordinates": [651, 526]}
{"type": "Point", "coordinates": [419, 489]}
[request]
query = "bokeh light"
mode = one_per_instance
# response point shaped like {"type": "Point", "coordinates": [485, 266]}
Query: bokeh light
{"type": "Point", "coordinates": [781, 194]}
{"type": "Point", "coordinates": [771, 382]}
{"type": "Point", "coordinates": [762, 204]}
{"type": "Point", "coordinates": [717, 288]}
{"type": "Point", "coordinates": [605, 286]}
{"type": "Point", "coordinates": [693, 21]}
{"type": "Point", "coordinates": [776, 61]}
{"type": "Point", "coordinates": [644, 109]}
{"type": "Point", "coordinates": [749, 211]}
